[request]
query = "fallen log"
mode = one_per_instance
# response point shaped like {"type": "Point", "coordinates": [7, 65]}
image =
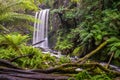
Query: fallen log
{"type": "Point", "coordinates": [8, 64]}
{"type": "Point", "coordinates": [11, 70]}
{"type": "Point", "coordinates": [7, 77]}
{"type": "Point", "coordinates": [62, 68]}
{"type": "Point", "coordinates": [39, 76]}
{"type": "Point", "coordinates": [9, 73]}
{"type": "Point", "coordinates": [50, 73]}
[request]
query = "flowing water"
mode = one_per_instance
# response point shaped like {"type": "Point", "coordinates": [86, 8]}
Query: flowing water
{"type": "Point", "coordinates": [40, 35]}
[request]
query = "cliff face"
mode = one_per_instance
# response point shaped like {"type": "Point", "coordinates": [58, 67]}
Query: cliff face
{"type": "Point", "coordinates": [59, 3]}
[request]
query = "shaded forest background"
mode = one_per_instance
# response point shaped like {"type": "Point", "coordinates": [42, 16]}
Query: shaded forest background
{"type": "Point", "coordinates": [84, 25]}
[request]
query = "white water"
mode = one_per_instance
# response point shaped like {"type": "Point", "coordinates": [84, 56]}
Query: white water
{"type": "Point", "coordinates": [40, 35]}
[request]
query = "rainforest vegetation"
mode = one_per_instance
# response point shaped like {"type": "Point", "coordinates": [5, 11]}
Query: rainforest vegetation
{"type": "Point", "coordinates": [86, 32]}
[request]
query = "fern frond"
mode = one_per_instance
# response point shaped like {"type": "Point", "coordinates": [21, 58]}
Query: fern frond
{"type": "Point", "coordinates": [28, 4]}
{"type": "Point", "coordinates": [15, 39]}
{"type": "Point", "coordinates": [12, 16]}
{"type": "Point", "coordinates": [16, 4]}
{"type": "Point", "coordinates": [3, 28]}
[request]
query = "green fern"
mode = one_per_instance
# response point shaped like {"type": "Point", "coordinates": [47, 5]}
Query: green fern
{"type": "Point", "coordinates": [100, 77]}
{"type": "Point", "coordinates": [84, 75]}
{"type": "Point", "coordinates": [14, 41]}
{"type": "Point", "coordinates": [114, 46]}
{"type": "Point", "coordinates": [9, 12]}
{"type": "Point", "coordinates": [13, 45]}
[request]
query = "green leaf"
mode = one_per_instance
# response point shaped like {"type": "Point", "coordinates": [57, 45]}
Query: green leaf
{"type": "Point", "coordinates": [99, 37]}
{"type": "Point", "coordinates": [113, 39]}
{"type": "Point", "coordinates": [117, 53]}
{"type": "Point", "coordinates": [113, 48]}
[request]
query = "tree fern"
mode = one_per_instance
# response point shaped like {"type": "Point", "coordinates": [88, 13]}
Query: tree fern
{"type": "Point", "coordinates": [9, 12]}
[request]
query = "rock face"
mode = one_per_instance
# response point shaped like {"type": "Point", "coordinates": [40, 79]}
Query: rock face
{"type": "Point", "coordinates": [58, 3]}
{"type": "Point", "coordinates": [55, 22]}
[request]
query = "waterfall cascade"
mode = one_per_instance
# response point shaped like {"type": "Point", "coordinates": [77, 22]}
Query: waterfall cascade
{"type": "Point", "coordinates": [40, 35]}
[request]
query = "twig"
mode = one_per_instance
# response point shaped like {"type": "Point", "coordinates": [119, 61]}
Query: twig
{"type": "Point", "coordinates": [110, 59]}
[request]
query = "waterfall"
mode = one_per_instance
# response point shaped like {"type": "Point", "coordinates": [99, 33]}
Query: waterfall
{"type": "Point", "coordinates": [40, 35]}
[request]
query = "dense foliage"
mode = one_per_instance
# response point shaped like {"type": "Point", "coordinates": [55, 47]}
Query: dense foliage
{"type": "Point", "coordinates": [85, 75]}
{"type": "Point", "coordinates": [13, 47]}
{"type": "Point", "coordinates": [88, 25]}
